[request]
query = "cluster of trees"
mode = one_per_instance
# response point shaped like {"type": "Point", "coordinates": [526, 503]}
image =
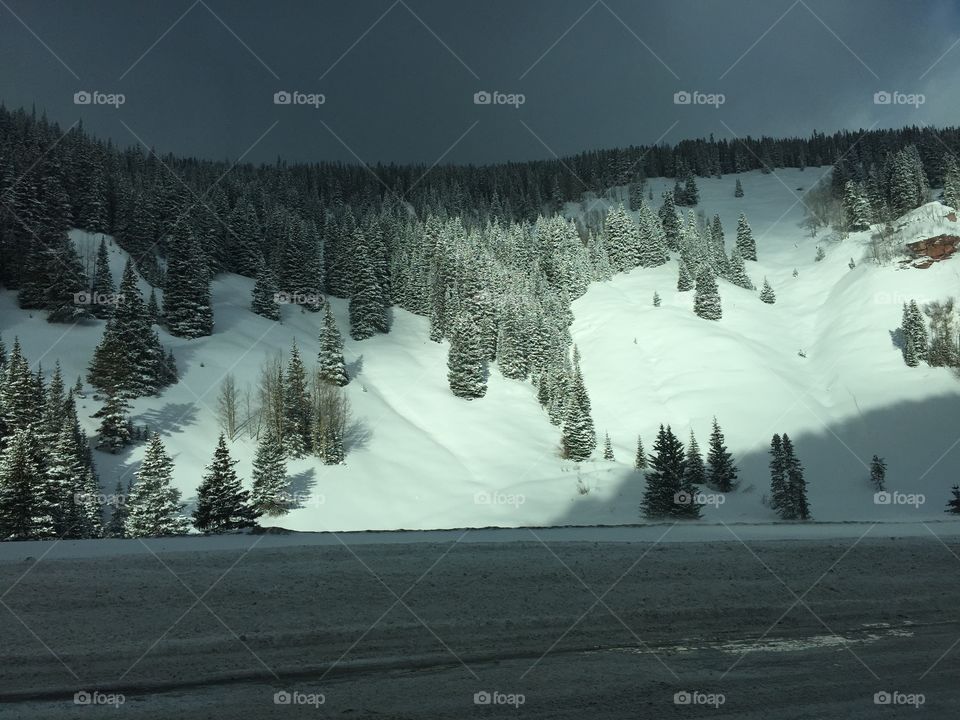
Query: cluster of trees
{"type": "Point", "coordinates": [938, 346]}
{"type": "Point", "coordinates": [788, 488]}
{"type": "Point", "coordinates": [884, 188]}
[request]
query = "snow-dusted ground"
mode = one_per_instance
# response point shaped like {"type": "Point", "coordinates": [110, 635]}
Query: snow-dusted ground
{"type": "Point", "coordinates": [420, 458]}
{"type": "Point", "coordinates": [791, 629]}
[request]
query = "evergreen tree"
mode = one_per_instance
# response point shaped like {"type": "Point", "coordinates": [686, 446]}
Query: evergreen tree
{"type": "Point", "coordinates": [670, 222]}
{"type": "Point", "coordinates": [953, 505]}
{"type": "Point", "coordinates": [779, 500]}
{"type": "Point", "coordinates": [102, 290]}
{"type": "Point", "coordinates": [684, 280]}
{"type": "Point", "coordinates": [855, 207]}
{"type": "Point", "coordinates": [154, 506]}
{"type": "Point", "coordinates": [766, 293]}
{"type": "Point", "coordinates": [368, 304]}
{"type": "Point", "coordinates": [153, 309]}
{"type": "Point", "coordinates": [737, 271]}
{"type": "Point", "coordinates": [186, 298]}
{"type": "Point", "coordinates": [265, 294]}
{"type": "Point", "coordinates": [117, 525]}
{"type": "Point", "coordinates": [951, 182]}
{"type": "Point", "coordinates": [656, 299]}
{"type": "Point", "coordinates": [738, 190]}
{"type": "Point", "coordinates": [745, 242]}
{"type": "Point", "coordinates": [330, 362]}
{"type": "Point", "coordinates": [114, 432]}
{"type": "Point", "coordinates": [668, 494]}
{"type": "Point", "coordinates": [270, 484]}
{"type": "Point", "coordinates": [607, 447]}
{"type": "Point", "coordinates": [878, 473]}
{"type": "Point", "coordinates": [466, 366]}
{"type": "Point", "coordinates": [222, 503]}
{"type": "Point", "coordinates": [722, 472]}
{"type": "Point", "coordinates": [706, 300]}
{"type": "Point", "coordinates": [579, 438]}
{"type": "Point", "coordinates": [695, 471]}
{"type": "Point", "coordinates": [797, 507]}
{"type": "Point", "coordinates": [297, 406]}
{"type": "Point", "coordinates": [26, 507]}
{"type": "Point", "coordinates": [640, 461]}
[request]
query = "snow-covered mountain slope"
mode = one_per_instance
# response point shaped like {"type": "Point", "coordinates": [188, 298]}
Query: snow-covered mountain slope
{"type": "Point", "coordinates": [418, 457]}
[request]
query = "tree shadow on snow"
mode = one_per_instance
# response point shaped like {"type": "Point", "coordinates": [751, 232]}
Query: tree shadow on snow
{"type": "Point", "coordinates": [357, 436]}
{"type": "Point", "coordinates": [171, 418]}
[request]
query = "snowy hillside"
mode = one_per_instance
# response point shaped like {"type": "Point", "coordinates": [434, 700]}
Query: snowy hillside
{"type": "Point", "coordinates": [420, 458]}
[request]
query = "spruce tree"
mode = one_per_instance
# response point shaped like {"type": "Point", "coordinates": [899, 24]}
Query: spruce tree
{"type": "Point", "coordinates": [579, 438]}
{"type": "Point", "coordinates": [953, 505]}
{"type": "Point", "coordinates": [706, 300]}
{"type": "Point", "coordinates": [466, 366]}
{"type": "Point", "coordinates": [684, 280]}
{"type": "Point", "coordinates": [670, 221]}
{"type": "Point", "coordinates": [778, 476]}
{"type": "Point", "coordinates": [656, 299]}
{"type": "Point", "coordinates": [766, 293]}
{"type": "Point", "coordinates": [26, 508]}
{"type": "Point", "coordinates": [265, 294]}
{"type": "Point", "coordinates": [695, 471]}
{"type": "Point", "coordinates": [297, 407]}
{"type": "Point", "coordinates": [368, 305]}
{"type": "Point", "coordinates": [797, 507]}
{"type": "Point", "coordinates": [222, 503]}
{"type": "Point", "coordinates": [270, 483]}
{"type": "Point", "coordinates": [153, 308]}
{"type": "Point", "coordinates": [186, 299]}
{"type": "Point", "coordinates": [102, 291]}
{"type": "Point", "coordinates": [607, 447]}
{"type": "Point", "coordinates": [330, 364]}
{"type": "Point", "coordinates": [951, 182]}
{"type": "Point", "coordinates": [737, 271]}
{"type": "Point", "coordinates": [878, 473]}
{"type": "Point", "coordinates": [117, 525]}
{"type": "Point", "coordinates": [668, 494]}
{"type": "Point", "coordinates": [745, 242]}
{"type": "Point", "coordinates": [738, 190]}
{"type": "Point", "coordinates": [114, 431]}
{"type": "Point", "coordinates": [722, 472]}
{"type": "Point", "coordinates": [640, 461]}
{"type": "Point", "coordinates": [154, 506]}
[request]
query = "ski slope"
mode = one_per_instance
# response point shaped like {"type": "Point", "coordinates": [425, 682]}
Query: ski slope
{"type": "Point", "coordinates": [420, 458]}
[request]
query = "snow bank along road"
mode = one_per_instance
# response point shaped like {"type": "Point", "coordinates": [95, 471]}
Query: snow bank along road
{"type": "Point", "coordinates": [543, 628]}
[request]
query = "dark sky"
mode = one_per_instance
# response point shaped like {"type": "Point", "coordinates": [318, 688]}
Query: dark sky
{"type": "Point", "coordinates": [399, 77]}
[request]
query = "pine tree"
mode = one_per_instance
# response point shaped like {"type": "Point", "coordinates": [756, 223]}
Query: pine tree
{"type": "Point", "coordinates": [797, 506]}
{"type": "Point", "coordinates": [745, 242]}
{"type": "Point", "coordinates": [579, 438]}
{"type": "Point", "coordinates": [766, 293]}
{"type": "Point", "coordinates": [953, 506]}
{"type": "Point", "coordinates": [878, 473]}
{"type": "Point", "coordinates": [706, 301]}
{"type": "Point", "coordinates": [114, 432]}
{"type": "Point", "coordinates": [656, 299]}
{"type": "Point", "coordinates": [153, 309]}
{"type": "Point", "coordinates": [265, 294]}
{"type": "Point", "coordinates": [695, 472]}
{"type": "Point", "coordinates": [951, 182]}
{"type": "Point", "coordinates": [297, 406]}
{"type": "Point", "coordinates": [330, 362]}
{"type": "Point", "coordinates": [368, 304]}
{"type": "Point", "coordinates": [466, 366]}
{"type": "Point", "coordinates": [778, 476]}
{"type": "Point", "coordinates": [737, 271]}
{"type": "Point", "coordinates": [738, 191]}
{"type": "Point", "coordinates": [270, 484]}
{"type": "Point", "coordinates": [670, 221]}
{"type": "Point", "coordinates": [155, 508]}
{"type": "Point", "coordinates": [607, 447]}
{"type": "Point", "coordinates": [117, 525]}
{"type": "Point", "coordinates": [684, 280]}
{"type": "Point", "coordinates": [222, 503]}
{"type": "Point", "coordinates": [102, 290]}
{"type": "Point", "coordinates": [722, 472]}
{"type": "Point", "coordinates": [640, 461]}
{"type": "Point", "coordinates": [668, 494]}
{"type": "Point", "coordinates": [820, 254]}
{"type": "Point", "coordinates": [186, 298]}
{"type": "Point", "coordinates": [26, 508]}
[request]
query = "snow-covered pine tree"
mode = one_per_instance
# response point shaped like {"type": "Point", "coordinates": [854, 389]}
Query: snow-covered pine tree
{"type": "Point", "coordinates": [684, 279]}
{"type": "Point", "coordinates": [706, 300]}
{"type": "Point", "coordinates": [951, 182]}
{"type": "Point", "coordinates": [154, 506]}
{"type": "Point", "coordinates": [766, 293]}
{"type": "Point", "coordinates": [153, 309]}
{"type": "Point", "coordinates": [186, 299]}
{"type": "Point", "coordinates": [878, 473]}
{"type": "Point", "coordinates": [855, 207]}
{"type": "Point", "coordinates": [579, 438]}
{"type": "Point", "coordinates": [114, 431]}
{"type": "Point", "coordinates": [778, 476]}
{"type": "Point", "coordinates": [270, 483]}
{"type": "Point", "coordinates": [695, 472]}
{"type": "Point", "coordinates": [798, 508]}
{"type": "Point", "coordinates": [640, 460]}
{"type": "Point", "coordinates": [296, 405]}
{"type": "Point", "coordinates": [330, 363]}
{"type": "Point", "coordinates": [918, 332]}
{"type": "Point", "coordinates": [607, 447]}
{"type": "Point", "coordinates": [737, 271]}
{"type": "Point", "coordinates": [102, 289]}
{"type": "Point", "coordinates": [721, 469]}
{"type": "Point", "coordinates": [466, 366]}
{"type": "Point", "coordinates": [26, 510]}
{"type": "Point", "coordinates": [953, 505]}
{"type": "Point", "coordinates": [368, 305]}
{"type": "Point", "coordinates": [656, 299]}
{"type": "Point", "coordinates": [738, 189]}
{"type": "Point", "coordinates": [222, 503]}
{"type": "Point", "coordinates": [265, 293]}
{"type": "Point", "coordinates": [745, 242]}
{"type": "Point", "coordinates": [667, 493]}
{"type": "Point", "coordinates": [670, 222]}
